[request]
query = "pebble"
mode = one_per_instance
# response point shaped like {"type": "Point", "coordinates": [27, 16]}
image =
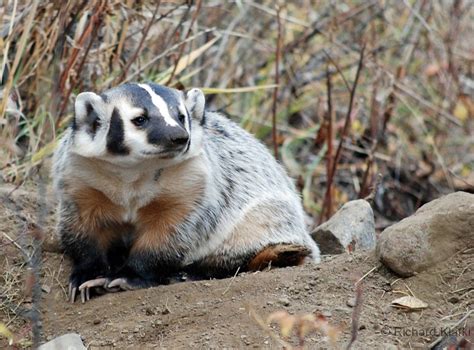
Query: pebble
{"type": "Point", "coordinates": [351, 302]}
{"type": "Point", "coordinates": [453, 300]}
{"type": "Point", "coordinates": [96, 321]}
{"type": "Point", "coordinates": [284, 301]}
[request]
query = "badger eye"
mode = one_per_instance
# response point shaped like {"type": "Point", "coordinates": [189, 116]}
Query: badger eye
{"type": "Point", "coordinates": [181, 118]}
{"type": "Point", "coordinates": [140, 120]}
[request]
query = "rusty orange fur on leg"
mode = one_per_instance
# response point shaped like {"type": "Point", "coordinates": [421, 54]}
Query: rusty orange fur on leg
{"type": "Point", "coordinates": [279, 255]}
{"type": "Point", "coordinates": [98, 217]}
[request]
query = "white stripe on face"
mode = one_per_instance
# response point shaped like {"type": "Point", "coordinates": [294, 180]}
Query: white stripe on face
{"type": "Point", "coordinates": [160, 104]}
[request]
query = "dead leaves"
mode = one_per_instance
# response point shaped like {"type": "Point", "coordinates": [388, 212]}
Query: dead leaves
{"type": "Point", "coordinates": [409, 303]}
{"type": "Point", "coordinates": [303, 325]}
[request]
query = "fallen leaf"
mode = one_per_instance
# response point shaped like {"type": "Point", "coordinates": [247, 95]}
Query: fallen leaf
{"type": "Point", "coordinates": [284, 320]}
{"type": "Point", "coordinates": [409, 303]}
{"type": "Point", "coordinates": [460, 111]}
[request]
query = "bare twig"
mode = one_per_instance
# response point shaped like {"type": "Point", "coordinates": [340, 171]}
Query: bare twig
{"type": "Point", "coordinates": [277, 81]}
{"type": "Point", "coordinates": [327, 209]}
{"type": "Point", "coordinates": [345, 129]}
{"type": "Point", "coordinates": [356, 314]}
{"type": "Point", "coordinates": [181, 49]}
{"type": "Point", "coordinates": [140, 45]}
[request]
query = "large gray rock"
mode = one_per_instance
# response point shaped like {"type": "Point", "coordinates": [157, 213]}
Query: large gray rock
{"type": "Point", "coordinates": [437, 231]}
{"type": "Point", "coordinates": [353, 224]}
{"type": "Point", "coordinates": [70, 341]}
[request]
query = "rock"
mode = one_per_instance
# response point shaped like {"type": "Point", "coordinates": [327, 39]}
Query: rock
{"type": "Point", "coordinates": [66, 341]}
{"type": "Point", "coordinates": [284, 301]}
{"type": "Point", "coordinates": [351, 302]}
{"type": "Point", "coordinates": [437, 231]}
{"type": "Point", "coordinates": [353, 224]}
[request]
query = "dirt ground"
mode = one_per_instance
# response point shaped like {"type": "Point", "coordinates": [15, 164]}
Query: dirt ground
{"type": "Point", "coordinates": [217, 314]}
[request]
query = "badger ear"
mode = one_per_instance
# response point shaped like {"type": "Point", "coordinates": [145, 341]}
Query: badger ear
{"type": "Point", "coordinates": [195, 103]}
{"type": "Point", "coordinates": [88, 109]}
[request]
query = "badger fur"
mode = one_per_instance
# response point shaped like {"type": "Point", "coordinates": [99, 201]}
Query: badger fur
{"type": "Point", "coordinates": [151, 184]}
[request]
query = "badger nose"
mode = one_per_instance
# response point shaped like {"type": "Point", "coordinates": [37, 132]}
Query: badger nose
{"type": "Point", "coordinates": [180, 140]}
{"type": "Point", "coordinates": [178, 137]}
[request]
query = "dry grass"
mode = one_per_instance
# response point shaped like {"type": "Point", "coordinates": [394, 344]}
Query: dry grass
{"type": "Point", "coordinates": [413, 105]}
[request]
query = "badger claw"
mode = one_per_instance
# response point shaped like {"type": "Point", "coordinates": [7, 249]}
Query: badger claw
{"type": "Point", "coordinates": [71, 293]}
{"type": "Point", "coordinates": [121, 283]}
{"type": "Point", "coordinates": [86, 287]}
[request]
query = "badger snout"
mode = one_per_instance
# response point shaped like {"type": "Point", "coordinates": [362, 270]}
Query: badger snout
{"type": "Point", "coordinates": [173, 139]}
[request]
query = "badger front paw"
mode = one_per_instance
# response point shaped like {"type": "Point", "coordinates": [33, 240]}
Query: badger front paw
{"type": "Point", "coordinates": [125, 283]}
{"type": "Point", "coordinates": [84, 281]}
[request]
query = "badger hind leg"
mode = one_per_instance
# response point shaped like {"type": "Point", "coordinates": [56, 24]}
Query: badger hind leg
{"type": "Point", "coordinates": [279, 255]}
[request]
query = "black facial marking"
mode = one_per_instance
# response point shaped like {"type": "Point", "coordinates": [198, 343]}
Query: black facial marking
{"type": "Point", "coordinates": [115, 137]}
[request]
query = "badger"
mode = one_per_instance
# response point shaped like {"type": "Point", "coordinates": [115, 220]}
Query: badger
{"type": "Point", "coordinates": [151, 184]}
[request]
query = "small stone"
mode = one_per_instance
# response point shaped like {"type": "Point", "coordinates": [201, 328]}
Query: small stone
{"type": "Point", "coordinates": [284, 301]}
{"type": "Point", "coordinates": [326, 313]}
{"type": "Point", "coordinates": [437, 231]}
{"type": "Point", "coordinates": [45, 288]}
{"type": "Point", "coordinates": [96, 321]}
{"type": "Point", "coordinates": [351, 302]}
{"type": "Point", "coordinates": [453, 300]}
{"type": "Point", "coordinates": [149, 311]}
{"type": "Point", "coordinates": [313, 283]}
{"type": "Point", "coordinates": [362, 327]}
{"type": "Point", "coordinates": [66, 341]}
{"type": "Point", "coordinates": [351, 227]}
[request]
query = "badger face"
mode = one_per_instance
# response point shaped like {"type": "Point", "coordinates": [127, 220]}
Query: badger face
{"type": "Point", "coordinates": [135, 122]}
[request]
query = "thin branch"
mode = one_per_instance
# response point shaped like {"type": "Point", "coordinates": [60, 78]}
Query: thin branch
{"type": "Point", "coordinates": [140, 45]}
{"type": "Point", "coordinates": [181, 49]}
{"type": "Point", "coordinates": [344, 131]}
{"type": "Point", "coordinates": [277, 81]}
{"type": "Point", "coordinates": [327, 208]}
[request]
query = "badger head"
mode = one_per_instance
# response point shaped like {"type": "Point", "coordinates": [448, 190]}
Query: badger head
{"type": "Point", "coordinates": [136, 122]}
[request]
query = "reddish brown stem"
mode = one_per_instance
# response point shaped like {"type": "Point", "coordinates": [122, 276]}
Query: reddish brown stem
{"type": "Point", "coordinates": [140, 45]}
{"type": "Point", "coordinates": [277, 81]}
{"type": "Point", "coordinates": [181, 49]}
{"type": "Point", "coordinates": [327, 209]}
{"type": "Point", "coordinates": [343, 133]}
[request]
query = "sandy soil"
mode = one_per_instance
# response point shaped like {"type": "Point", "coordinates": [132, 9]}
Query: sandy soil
{"type": "Point", "coordinates": [216, 314]}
